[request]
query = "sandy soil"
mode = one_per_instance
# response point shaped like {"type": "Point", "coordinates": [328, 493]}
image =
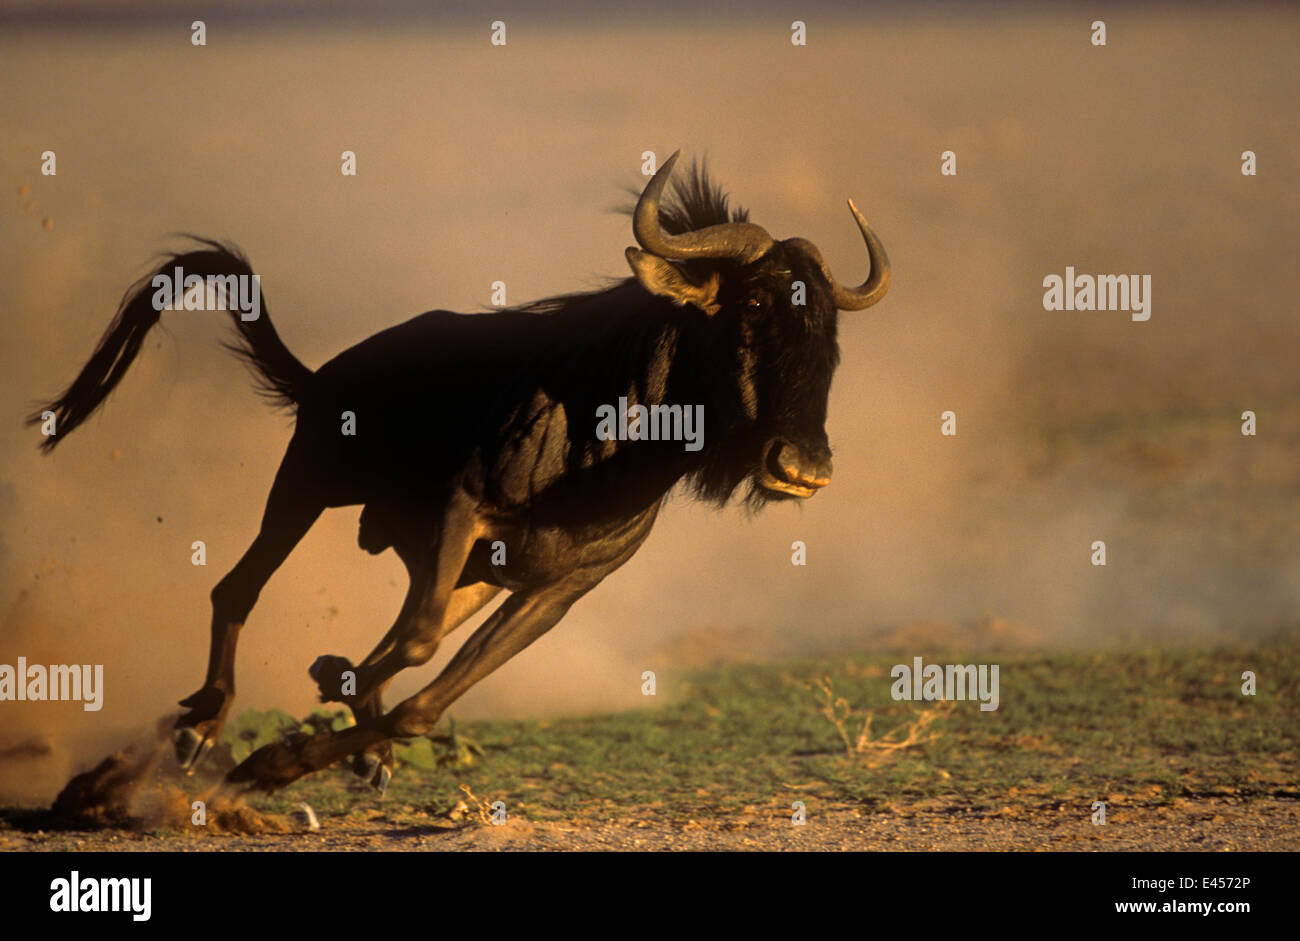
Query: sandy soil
{"type": "Point", "coordinates": [1217, 824]}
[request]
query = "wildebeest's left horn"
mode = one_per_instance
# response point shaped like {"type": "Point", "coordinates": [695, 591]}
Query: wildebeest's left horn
{"type": "Point", "coordinates": [743, 241]}
{"type": "Point", "coordinates": [877, 283]}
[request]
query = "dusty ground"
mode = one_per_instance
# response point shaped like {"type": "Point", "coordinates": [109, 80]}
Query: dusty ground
{"type": "Point", "coordinates": [1212, 824]}
{"type": "Point", "coordinates": [1181, 759]}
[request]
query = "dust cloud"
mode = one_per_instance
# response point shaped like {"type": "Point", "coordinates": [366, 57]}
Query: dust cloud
{"type": "Point", "coordinates": [478, 164]}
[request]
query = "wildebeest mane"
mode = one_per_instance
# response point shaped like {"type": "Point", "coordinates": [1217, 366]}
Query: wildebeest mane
{"type": "Point", "coordinates": [692, 201]}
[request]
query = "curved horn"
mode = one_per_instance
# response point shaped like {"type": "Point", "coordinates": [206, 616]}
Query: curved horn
{"type": "Point", "coordinates": [743, 241]}
{"type": "Point", "coordinates": [877, 283]}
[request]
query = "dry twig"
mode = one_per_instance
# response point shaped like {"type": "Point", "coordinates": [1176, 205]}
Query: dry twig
{"type": "Point", "coordinates": [840, 714]}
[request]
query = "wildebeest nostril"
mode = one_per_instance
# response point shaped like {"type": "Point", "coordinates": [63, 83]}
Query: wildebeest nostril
{"type": "Point", "coordinates": [796, 466]}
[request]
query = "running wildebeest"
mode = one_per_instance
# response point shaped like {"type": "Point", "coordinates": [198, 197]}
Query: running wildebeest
{"type": "Point", "coordinates": [476, 449]}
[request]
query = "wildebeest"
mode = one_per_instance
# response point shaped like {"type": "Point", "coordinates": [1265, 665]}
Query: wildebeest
{"type": "Point", "coordinates": [473, 447]}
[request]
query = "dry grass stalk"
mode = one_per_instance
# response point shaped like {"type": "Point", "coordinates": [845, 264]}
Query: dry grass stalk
{"type": "Point", "coordinates": [483, 810]}
{"type": "Point", "coordinates": [840, 714]}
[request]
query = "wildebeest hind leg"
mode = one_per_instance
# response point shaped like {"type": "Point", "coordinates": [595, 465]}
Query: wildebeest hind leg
{"type": "Point", "coordinates": [291, 509]}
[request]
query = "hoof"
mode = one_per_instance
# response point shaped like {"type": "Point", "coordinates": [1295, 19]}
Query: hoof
{"type": "Point", "coordinates": [190, 748]}
{"type": "Point", "coordinates": [370, 767]}
{"type": "Point", "coordinates": [328, 672]}
{"type": "Point", "coordinates": [365, 766]}
{"type": "Point", "coordinates": [197, 731]}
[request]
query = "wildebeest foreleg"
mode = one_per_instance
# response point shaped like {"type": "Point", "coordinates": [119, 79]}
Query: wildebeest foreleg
{"type": "Point", "coordinates": [384, 662]}
{"type": "Point", "coordinates": [432, 608]}
{"type": "Point", "coordinates": [521, 619]}
{"type": "Point", "coordinates": [290, 511]}
{"type": "Point", "coordinates": [375, 672]}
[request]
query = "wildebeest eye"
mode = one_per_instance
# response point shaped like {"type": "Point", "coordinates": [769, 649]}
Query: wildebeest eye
{"type": "Point", "coordinates": [753, 303]}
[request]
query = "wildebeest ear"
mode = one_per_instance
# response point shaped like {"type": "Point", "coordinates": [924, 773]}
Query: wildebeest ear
{"type": "Point", "coordinates": [665, 279]}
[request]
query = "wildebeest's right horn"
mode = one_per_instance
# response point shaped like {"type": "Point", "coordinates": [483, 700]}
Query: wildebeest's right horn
{"type": "Point", "coordinates": [743, 241]}
{"type": "Point", "coordinates": [877, 283]}
{"type": "Point", "coordinates": [869, 291]}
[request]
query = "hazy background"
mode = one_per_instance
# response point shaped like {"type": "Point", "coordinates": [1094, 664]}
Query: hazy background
{"type": "Point", "coordinates": [478, 163]}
